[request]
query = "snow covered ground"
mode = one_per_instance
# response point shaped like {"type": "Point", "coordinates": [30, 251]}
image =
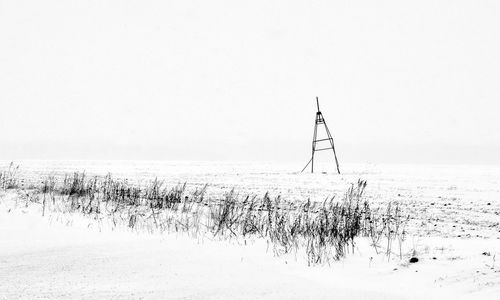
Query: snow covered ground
{"type": "Point", "coordinates": [454, 232]}
{"type": "Point", "coordinates": [445, 200]}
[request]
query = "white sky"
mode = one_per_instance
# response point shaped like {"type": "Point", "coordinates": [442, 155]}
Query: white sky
{"type": "Point", "coordinates": [399, 81]}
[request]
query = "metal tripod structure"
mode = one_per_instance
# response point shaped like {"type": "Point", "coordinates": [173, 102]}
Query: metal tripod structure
{"type": "Point", "coordinates": [320, 120]}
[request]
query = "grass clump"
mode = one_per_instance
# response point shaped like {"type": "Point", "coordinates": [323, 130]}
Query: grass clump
{"type": "Point", "coordinates": [9, 178]}
{"type": "Point", "coordinates": [324, 231]}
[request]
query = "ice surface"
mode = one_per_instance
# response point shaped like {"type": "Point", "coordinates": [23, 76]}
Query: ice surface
{"type": "Point", "coordinates": [455, 234]}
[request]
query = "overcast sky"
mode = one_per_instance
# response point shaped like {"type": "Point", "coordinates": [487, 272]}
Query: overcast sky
{"type": "Point", "coordinates": [398, 81]}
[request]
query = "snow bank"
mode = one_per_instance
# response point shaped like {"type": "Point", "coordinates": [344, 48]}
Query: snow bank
{"type": "Point", "coordinates": [62, 256]}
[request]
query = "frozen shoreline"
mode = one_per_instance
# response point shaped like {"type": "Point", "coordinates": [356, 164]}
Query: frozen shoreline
{"type": "Point", "coordinates": [70, 256]}
{"type": "Point", "coordinates": [454, 230]}
{"type": "Point", "coordinates": [449, 200]}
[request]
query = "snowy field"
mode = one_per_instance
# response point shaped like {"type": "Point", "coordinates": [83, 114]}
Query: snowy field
{"type": "Point", "coordinates": [445, 200]}
{"type": "Point", "coordinates": [454, 231]}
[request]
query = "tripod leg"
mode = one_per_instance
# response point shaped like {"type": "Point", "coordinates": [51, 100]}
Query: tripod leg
{"type": "Point", "coordinates": [306, 165]}
{"type": "Point", "coordinates": [314, 143]}
{"type": "Point", "coordinates": [333, 147]}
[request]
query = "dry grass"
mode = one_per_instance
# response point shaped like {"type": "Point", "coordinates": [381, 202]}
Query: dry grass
{"type": "Point", "coordinates": [325, 231]}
